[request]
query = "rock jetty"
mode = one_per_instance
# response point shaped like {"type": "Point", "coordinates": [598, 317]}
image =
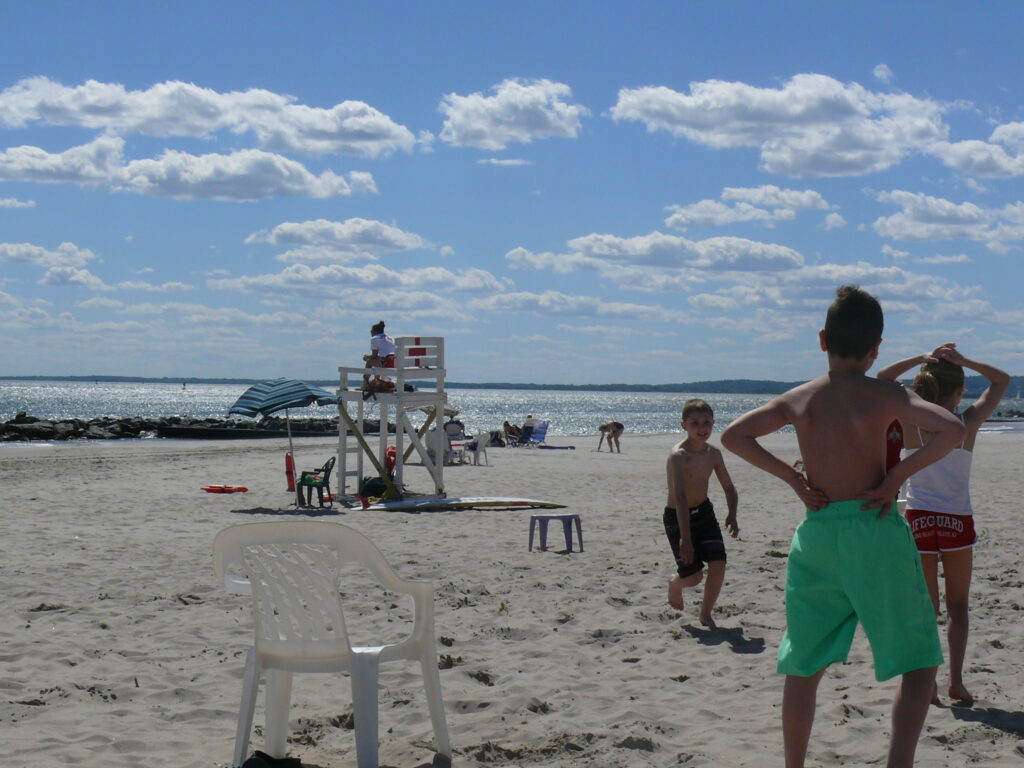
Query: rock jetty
{"type": "Point", "coordinates": [24, 427]}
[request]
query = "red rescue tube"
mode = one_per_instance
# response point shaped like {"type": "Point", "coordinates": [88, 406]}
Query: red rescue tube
{"type": "Point", "coordinates": [225, 489]}
{"type": "Point", "coordinates": [289, 470]}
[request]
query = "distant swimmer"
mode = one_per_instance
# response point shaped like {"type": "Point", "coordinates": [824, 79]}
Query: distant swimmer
{"type": "Point", "coordinates": [612, 430]}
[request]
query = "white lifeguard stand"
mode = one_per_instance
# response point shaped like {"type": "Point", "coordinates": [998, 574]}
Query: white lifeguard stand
{"type": "Point", "coordinates": [417, 358]}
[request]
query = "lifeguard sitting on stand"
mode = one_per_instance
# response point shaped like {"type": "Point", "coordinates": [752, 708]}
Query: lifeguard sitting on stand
{"type": "Point", "coordinates": [382, 355]}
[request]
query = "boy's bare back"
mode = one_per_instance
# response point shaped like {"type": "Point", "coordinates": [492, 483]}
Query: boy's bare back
{"type": "Point", "coordinates": [840, 421]}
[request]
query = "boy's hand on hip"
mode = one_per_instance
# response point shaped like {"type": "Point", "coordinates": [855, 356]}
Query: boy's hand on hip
{"type": "Point", "coordinates": [685, 551]}
{"type": "Point", "coordinates": [813, 498]}
{"type": "Point", "coordinates": [880, 498]}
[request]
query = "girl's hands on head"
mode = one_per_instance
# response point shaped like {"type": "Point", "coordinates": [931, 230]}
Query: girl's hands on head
{"type": "Point", "coordinates": [948, 352]}
{"type": "Point", "coordinates": [951, 353]}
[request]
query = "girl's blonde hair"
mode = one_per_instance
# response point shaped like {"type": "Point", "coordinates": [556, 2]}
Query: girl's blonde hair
{"type": "Point", "coordinates": [938, 381]}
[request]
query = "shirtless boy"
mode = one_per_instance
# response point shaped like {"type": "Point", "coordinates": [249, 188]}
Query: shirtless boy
{"type": "Point", "coordinates": [853, 558]}
{"type": "Point", "coordinates": [690, 522]}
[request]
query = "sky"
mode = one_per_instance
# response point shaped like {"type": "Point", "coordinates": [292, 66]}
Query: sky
{"type": "Point", "coordinates": [569, 192]}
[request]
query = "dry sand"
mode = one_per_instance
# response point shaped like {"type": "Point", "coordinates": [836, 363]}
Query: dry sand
{"type": "Point", "coordinates": [118, 648]}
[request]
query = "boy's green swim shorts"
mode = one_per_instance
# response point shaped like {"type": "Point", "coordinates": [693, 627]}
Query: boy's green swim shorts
{"type": "Point", "coordinates": [845, 565]}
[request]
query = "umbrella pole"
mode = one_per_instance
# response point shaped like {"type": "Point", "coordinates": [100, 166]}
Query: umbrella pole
{"type": "Point", "coordinates": [288, 423]}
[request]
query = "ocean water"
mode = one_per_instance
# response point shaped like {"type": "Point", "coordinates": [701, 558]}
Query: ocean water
{"type": "Point", "coordinates": [569, 413]}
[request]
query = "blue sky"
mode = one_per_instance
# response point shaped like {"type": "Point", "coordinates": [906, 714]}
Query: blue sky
{"type": "Point", "coordinates": [570, 192]}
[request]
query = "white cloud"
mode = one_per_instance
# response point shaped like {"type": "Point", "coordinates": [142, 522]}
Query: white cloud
{"type": "Point", "coordinates": [62, 276]}
{"type": "Point", "coordinates": [601, 330]}
{"type": "Point", "coordinates": [521, 258]}
{"type": "Point", "coordinates": [960, 258]}
{"type": "Point", "coordinates": [711, 213]}
{"type": "Point", "coordinates": [927, 218]}
{"type": "Point", "coordinates": [883, 73]}
{"type": "Point", "coordinates": [979, 158]}
{"type": "Point", "coordinates": [66, 255]}
{"type": "Point", "coordinates": [519, 111]}
{"type": "Point", "coordinates": [765, 205]}
{"type": "Point", "coordinates": [240, 176]}
{"type": "Point", "coordinates": [558, 303]}
{"type": "Point", "coordinates": [1002, 156]}
{"type": "Point", "coordinates": [498, 161]}
{"type": "Point", "coordinates": [812, 126]}
{"type": "Point", "coordinates": [715, 253]}
{"type": "Point", "coordinates": [1009, 134]}
{"type": "Point", "coordinates": [332, 278]}
{"type": "Point", "coordinates": [321, 240]}
{"type": "Point", "coordinates": [12, 202]}
{"type": "Point", "coordinates": [894, 253]}
{"type": "Point", "coordinates": [100, 302]}
{"type": "Point", "coordinates": [72, 276]}
{"type": "Point", "coordinates": [712, 301]}
{"type": "Point", "coordinates": [174, 108]}
{"type": "Point", "coordinates": [833, 221]}
{"type": "Point", "coordinates": [771, 196]}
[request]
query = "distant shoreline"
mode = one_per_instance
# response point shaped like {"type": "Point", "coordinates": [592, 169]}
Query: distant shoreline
{"type": "Point", "coordinates": [974, 384]}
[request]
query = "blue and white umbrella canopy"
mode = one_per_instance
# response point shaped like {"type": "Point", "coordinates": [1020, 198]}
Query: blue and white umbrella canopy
{"type": "Point", "coordinates": [275, 395]}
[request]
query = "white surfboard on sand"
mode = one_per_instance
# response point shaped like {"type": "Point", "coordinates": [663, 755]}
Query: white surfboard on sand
{"type": "Point", "coordinates": [434, 503]}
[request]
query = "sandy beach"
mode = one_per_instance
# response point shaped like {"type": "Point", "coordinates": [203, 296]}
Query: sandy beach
{"type": "Point", "coordinates": [119, 648]}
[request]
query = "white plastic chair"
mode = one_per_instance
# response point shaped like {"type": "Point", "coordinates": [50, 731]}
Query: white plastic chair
{"type": "Point", "coordinates": [293, 572]}
{"type": "Point", "coordinates": [480, 448]}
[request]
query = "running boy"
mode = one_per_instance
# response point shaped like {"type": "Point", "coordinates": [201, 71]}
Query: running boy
{"type": "Point", "coordinates": [690, 522]}
{"type": "Point", "coordinates": [853, 558]}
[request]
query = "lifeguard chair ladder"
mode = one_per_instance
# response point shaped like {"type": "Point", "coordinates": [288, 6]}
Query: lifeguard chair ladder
{"type": "Point", "coordinates": [417, 358]}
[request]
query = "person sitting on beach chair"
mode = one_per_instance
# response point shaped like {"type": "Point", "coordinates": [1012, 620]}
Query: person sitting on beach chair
{"type": "Point", "coordinates": [512, 433]}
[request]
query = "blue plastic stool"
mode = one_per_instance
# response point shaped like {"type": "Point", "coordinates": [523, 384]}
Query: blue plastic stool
{"type": "Point", "coordinates": [567, 521]}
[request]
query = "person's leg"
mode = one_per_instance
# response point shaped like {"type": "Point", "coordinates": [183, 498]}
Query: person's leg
{"type": "Point", "coordinates": [676, 585]}
{"type": "Point", "coordinates": [956, 569]}
{"type": "Point", "coordinates": [909, 710]}
{"type": "Point", "coordinates": [618, 447]}
{"type": "Point", "coordinates": [712, 588]}
{"type": "Point", "coordinates": [930, 566]}
{"type": "Point", "coordinates": [798, 699]}
{"type": "Point", "coordinates": [601, 442]}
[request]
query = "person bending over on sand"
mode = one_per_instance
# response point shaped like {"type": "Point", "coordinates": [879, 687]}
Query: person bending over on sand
{"type": "Point", "coordinates": [939, 498]}
{"type": "Point", "coordinates": [853, 557]}
{"type": "Point", "coordinates": [690, 522]}
{"type": "Point", "coordinates": [613, 431]}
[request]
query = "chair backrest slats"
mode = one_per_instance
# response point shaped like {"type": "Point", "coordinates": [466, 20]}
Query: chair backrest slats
{"type": "Point", "coordinates": [295, 574]}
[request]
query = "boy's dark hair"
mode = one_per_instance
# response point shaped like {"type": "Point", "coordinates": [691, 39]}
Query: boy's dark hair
{"type": "Point", "coordinates": [853, 325]}
{"type": "Point", "coordinates": [696, 405]}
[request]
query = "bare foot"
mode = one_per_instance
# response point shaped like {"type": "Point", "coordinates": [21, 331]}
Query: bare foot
{"type": "Point", "coordinates": [935, 696]}
{"type": "Point", "coordinates": [960, 694]}
{"type": "Point", "coordinates": [708, 622]}
{"type": "Point", "coordinates": [675, 594]}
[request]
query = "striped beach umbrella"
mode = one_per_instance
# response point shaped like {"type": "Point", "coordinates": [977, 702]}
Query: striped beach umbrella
{"type": "Point", "coordinates": [275, 395]}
